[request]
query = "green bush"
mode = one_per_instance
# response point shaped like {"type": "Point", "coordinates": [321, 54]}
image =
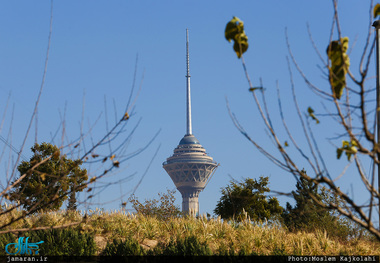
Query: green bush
{"type": "Point", "coordinates": [129, 247]}
{"type": "Point", "coordinates": [164, 208]}
{"type": "Point", "coordinates": [225, 250]}
{"type": "Point", "coordinates": [5, 239]}
{"type": "Point", "coordinates": [248, 200]}
{"type": "Point", "coordinates": [57, 242]}
{"type": "Point", "coordinates": [307, 215]}
{"type": "Point", "coordinates": [190, 246]}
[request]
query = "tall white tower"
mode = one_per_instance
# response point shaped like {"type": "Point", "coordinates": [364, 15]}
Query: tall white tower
{"type": "Point", "coordinates": [189, 167]}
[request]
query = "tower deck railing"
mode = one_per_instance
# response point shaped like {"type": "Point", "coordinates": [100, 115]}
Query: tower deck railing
{"type": "Point", "coordinates": [192, 161]}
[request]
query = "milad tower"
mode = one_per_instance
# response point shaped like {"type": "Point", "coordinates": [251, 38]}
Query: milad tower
{"type": "Point", "coordinates": [190, 167]}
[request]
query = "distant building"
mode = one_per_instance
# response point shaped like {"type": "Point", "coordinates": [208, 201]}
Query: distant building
{"type": "Point", "coordinates": [190, 167]}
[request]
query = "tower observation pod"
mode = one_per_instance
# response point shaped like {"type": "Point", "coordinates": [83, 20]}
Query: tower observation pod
{"type": "Point", "coordinates": [190, 167]}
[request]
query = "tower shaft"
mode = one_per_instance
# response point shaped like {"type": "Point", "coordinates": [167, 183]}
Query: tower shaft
{"type": "Point", "coordinates": [190, 203]}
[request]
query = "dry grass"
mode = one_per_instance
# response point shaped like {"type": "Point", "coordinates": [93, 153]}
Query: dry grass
{"type": "Point", "coordinates": [259, 239]}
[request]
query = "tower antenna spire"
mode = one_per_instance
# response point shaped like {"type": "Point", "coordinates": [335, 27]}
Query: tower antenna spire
{"type": "Point", "coordinates": [188, 96]}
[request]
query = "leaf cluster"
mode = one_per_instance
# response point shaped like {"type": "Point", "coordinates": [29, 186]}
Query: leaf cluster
{"type": "Point", "coordinates": [347, 147]}
{"type": "Point", "coordinates": [235, 31]}
{"type": "Point", "coordinates": [340, 63]}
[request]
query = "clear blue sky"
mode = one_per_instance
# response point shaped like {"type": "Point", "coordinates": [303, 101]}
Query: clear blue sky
{"type": "Point", "coordinates": [93, 51]}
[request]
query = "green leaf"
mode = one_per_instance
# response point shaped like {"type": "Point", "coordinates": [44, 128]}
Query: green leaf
{"type": "Point", "coordinates": [340, 63]}
{"type": "Point", "coordinates": [339, 152]}
{"type": "Point", "coordinates": [255, 88]}
{"type": "Point", "coordinates": [345, 144]}
{"type": "Point", "coordinates": [312, 115]}
{"type": "Point", "coordinates": [241, 44]}
{"type": "Point", "coordinates": [235, 31]}
{"type": "Point", "coordinates": [376, 10]}
{"type": "Point", "coordinates": [286, 144]}
{"type": "Point", "coordinates": [43, 176]}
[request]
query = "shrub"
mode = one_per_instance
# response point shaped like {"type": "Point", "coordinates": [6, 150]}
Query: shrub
{"type": "Point", "coordinates": [129, 247]}
{"type": "Point", "coordinates": [6, 239]}
{"type": "Point", "coordinates": [64, 242]}
{"type": "Point", "coordinates": [248, 200]}
{"type": "Point", "coordinates": [57, 242]}
{"type": "Point", "coordinates": [190, 246]}
{"type": "Point", "coordinates": [163, 210]}
{"type": "Point", "coordinates": [307, 215]}
{"type": "Point", "coordinates": [224, 250]}
{"type": "Point", "coordinates": [57, 176]}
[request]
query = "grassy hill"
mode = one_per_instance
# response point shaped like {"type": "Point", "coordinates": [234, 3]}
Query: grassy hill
{"type": "Point", "coordinates": [173, 235]}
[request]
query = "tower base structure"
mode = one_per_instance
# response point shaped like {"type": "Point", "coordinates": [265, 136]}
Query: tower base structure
{"type": "Point", "coordinates": [190, 203]}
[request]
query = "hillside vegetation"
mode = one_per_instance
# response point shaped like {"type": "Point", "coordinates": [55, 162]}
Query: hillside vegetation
{"type": "Point", "coordinates": [118, 232]}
